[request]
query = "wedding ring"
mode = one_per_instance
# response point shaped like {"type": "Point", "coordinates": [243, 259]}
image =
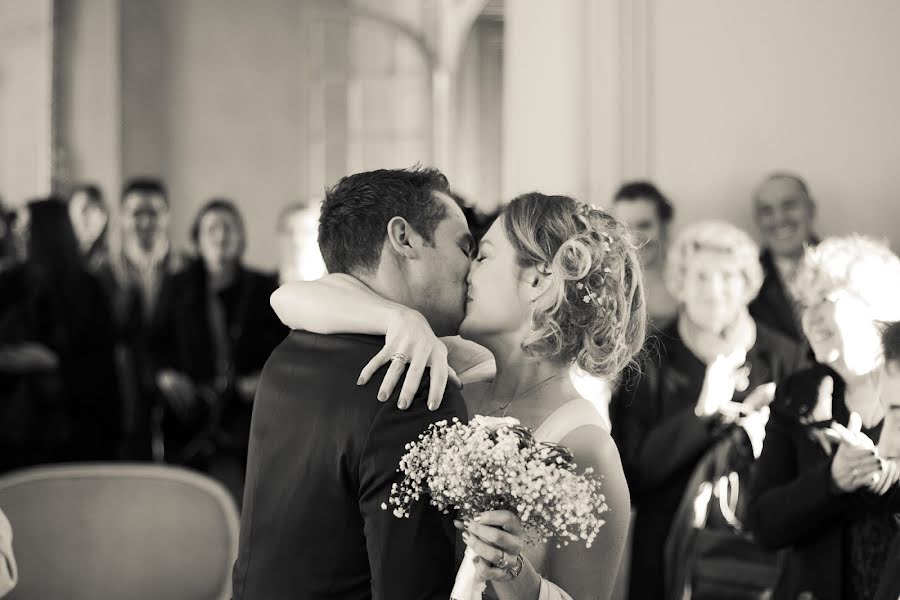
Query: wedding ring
{"type": "Point", "coordinates": [502, 563]}
{"type": "Point", "coordinates": [400, 357]}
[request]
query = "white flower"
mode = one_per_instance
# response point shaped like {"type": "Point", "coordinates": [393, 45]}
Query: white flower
{"type": "Point", "coordinates": [483, 465]}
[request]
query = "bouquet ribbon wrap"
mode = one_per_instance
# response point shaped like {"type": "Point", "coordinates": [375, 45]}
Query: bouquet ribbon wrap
{"type": "Point", "coordinates": [468, 585]}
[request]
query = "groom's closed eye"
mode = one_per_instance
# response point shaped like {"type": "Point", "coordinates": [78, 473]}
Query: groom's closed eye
{"type": "Point", "coordinates": [467, 245]}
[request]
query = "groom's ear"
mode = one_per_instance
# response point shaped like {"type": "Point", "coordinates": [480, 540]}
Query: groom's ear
{"type": "Point", "coordinates": [402, 237]}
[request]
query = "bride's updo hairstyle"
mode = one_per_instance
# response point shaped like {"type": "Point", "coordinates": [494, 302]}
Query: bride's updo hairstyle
{"type": "Point", "coordinates": [593, 312]}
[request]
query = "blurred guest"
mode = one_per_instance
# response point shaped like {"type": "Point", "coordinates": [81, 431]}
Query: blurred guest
{"type": "Point", "coordinates": [805, 492]}
{"type": "Point", "coordinates": [8, 254]}
{"type": "Point", "coordinates": [9, 574]}
{"type": "Point", "coordinates": [784, 212]}
{"type": "Point", "coordinates": [216, 332]}
{"type": "Point", "coordinates": [145, 263]}
{"type": "Point", "coordinates": [689, 395]}
{"type": "Point", "coordinates": [299, 257]}
{"type": "Point", "coordinates": [889, 448]}
{"type": "Point", "coordinates": [57, 378]}
{"type": "Point", "coordinates": [90, 219]}
{"type": "Point", "coordinates": [477, 220]}
{"type": "Point", "coordinates": [648, 215]}
{"type": "Point", "coordinates": [146, 255]}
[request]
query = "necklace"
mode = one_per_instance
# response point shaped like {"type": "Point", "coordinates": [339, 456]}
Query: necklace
{"type": "Point", "coordinates": [505, 407]}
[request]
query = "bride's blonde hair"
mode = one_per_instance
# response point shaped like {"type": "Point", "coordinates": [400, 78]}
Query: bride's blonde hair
{"type": "Point", "coordinates": [593, 311]}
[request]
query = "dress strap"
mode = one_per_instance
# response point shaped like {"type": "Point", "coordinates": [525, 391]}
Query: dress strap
{"type": "Point", "coordinates": [567, 418]}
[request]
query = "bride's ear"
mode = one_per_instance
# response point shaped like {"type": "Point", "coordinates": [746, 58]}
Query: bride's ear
{"type": "Point", "coordinates": [402, 238]}
{"type": "Point", "coordinates": [539, 279]}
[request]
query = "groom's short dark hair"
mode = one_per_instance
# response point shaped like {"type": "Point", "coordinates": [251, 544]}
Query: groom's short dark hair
{"type": "Point", "coordinates": [356, 211]}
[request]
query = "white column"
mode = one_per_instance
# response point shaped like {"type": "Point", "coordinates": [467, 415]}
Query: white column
{"type": "Point", "coordinates": [26, 43]}
{"type": "Point", "coordinates": [545, 129]}
{"type": "Point", "coordinates": [89, 95]}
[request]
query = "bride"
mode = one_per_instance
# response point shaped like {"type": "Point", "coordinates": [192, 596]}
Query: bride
{"type": "Point", "coordinates": [554, 282]}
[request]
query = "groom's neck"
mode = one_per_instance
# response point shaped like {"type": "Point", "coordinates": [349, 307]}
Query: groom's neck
{"type": "Point", "coordinates": [390, 286]}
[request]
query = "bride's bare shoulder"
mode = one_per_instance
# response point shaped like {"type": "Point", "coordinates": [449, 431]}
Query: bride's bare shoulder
{"type": "Point", "coordinates": [593, 447]}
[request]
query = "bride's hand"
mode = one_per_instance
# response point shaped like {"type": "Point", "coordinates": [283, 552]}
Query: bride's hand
{"type": "Point", "coordinates": [409, 334]}
{"type": "Point", "coordinates": [497, 538]}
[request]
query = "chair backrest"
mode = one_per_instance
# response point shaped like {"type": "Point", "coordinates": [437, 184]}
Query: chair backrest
{"type": "Point", "coordinates": [114, 531]}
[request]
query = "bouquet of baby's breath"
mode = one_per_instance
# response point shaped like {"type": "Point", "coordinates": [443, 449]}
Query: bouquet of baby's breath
{"type": "Point", "coordinates": [496, 464]}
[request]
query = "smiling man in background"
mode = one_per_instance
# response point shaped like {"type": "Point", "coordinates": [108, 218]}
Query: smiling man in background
{"type": "Point", "coordinates": [784, 213]}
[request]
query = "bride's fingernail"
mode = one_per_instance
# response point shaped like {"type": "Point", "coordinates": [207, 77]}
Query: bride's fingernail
{"type": "Point", "coordinates": [359, 381]}
{"type": "Point", "coordinates": [382, 396]}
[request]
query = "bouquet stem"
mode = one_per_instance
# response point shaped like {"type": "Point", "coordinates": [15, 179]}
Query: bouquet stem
{"type": "Point", "coordinates": [468, 586]}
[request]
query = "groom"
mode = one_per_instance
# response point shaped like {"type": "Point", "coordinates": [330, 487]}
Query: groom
{"type": "Point", "coordinates": [323, 451]}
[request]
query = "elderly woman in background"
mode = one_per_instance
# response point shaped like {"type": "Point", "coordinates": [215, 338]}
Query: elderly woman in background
{"type": "Point", "coordinates": [688, 395]}
{"type": "Point", "coordinates": [215, 333]}
{"type": "Point", "coordinates": [807, 490]}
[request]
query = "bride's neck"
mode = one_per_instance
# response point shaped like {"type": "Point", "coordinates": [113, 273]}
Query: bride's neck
{"type": "Point", "coordinates": [520, 377]}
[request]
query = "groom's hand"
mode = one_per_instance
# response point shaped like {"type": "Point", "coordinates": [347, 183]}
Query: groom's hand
{"type": "Point", "coordinates": [410, 336]}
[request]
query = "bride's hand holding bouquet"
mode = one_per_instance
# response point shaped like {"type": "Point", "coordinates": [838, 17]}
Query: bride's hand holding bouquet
{"type": "Point", "coordinates": [508, 489]}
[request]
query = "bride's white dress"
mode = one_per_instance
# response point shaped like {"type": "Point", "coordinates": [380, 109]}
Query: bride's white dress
{"type": "Point", "coordinates": [561, 422]}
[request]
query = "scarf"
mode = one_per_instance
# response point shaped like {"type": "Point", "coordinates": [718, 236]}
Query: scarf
{"type": "Point", "coordinates": [146, 270]}
{"type": "Point", "coordinates": [707, 345]}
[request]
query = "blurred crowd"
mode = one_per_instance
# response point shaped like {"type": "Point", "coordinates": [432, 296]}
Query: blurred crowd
{"type": "Point", "coordinates": [138, 353]}
{"type": "Point", "coordinates": [757, 432]}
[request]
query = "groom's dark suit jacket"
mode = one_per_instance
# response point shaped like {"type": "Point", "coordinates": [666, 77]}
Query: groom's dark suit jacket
{"type": "Point", "coordinates": [323, 455]}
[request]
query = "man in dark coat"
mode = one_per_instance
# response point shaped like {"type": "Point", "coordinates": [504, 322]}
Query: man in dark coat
{"type": "Point", "coordinates": [323, 451]}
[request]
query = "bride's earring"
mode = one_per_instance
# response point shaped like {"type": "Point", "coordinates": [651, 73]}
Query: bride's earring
{"type": "Point", "coordinates": [531, 317]}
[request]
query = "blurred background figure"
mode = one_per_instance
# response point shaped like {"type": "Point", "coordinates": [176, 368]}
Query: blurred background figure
{"type": "Point", "coordinates": [889, 446]}
{"type": "Point", "coordinates": [806, 487]}
{"type": "Point", "coordinates": [90, 220]}
{"type": "Point", "coordinates": [8, 255]}
{"type": "Point", "coordinates": [299, 258]}
{"type": "Point", "coordinates": [146, 256]}
{"type": "Point", "coordinates": [144, 265]}
{"type": "Point", "coordinates": [689, 393]}
{"type": "Point", "coordinates": [784, 213]}
{"type": "Point", "coordinates": [57, 376]}
{"type": "Point", "coordinates": [215, 333]}
{"type": "Point", "coordinates": [478, 221]}
{"type": "Point", "coordinates": [648, 215]}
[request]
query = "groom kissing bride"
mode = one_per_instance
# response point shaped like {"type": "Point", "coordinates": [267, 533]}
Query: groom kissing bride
{"type": "Point", "coordinates": [554, 282]}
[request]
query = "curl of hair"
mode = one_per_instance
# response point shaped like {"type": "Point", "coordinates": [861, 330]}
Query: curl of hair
{"type": "Point", "coordinates": [592, 312]}
{"type": "Point", "coordinates": [713, 236]}
{"type": "Point", "coordinates": [863, 266]}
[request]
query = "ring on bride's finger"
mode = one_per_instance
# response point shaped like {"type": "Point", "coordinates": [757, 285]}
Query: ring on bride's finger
{"type": "Point", "coordinates": [502, 563]}
{"type": "Point", "coordinates": [400, 357]}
